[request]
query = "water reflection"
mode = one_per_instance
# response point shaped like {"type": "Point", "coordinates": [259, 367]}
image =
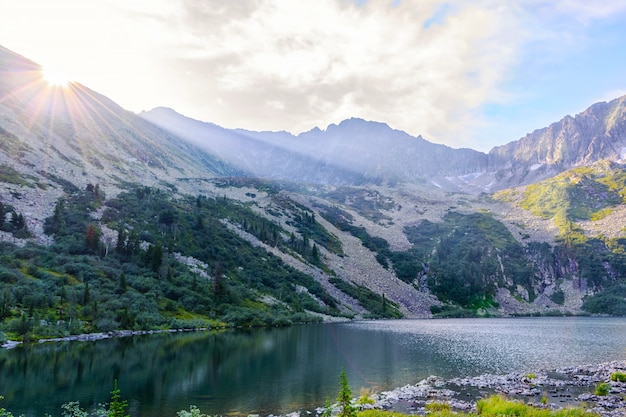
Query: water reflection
{"type": "Point", "coordinates": [281, 370]}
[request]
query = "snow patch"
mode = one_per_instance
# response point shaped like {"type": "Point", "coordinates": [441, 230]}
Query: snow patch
{"type": "Point", "coordinates": [535, 167]}
{"type": "Point", "coordinates": [436, 185]}
{"type": "Point", "coordinates": [469, 177]}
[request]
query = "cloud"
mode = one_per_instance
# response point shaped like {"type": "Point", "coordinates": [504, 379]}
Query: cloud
{"type": "Point", "coordinates": [428, 67]}
{"type": "Point", "coordinates": [285, 64]}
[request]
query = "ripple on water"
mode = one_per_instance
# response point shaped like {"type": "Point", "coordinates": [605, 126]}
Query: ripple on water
{"type": "Point", "coordinates": [473, 346]}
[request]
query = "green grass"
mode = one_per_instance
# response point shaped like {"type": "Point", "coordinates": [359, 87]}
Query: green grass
{"type": "Point", "coordinates": [11, 176]}
{"type": "Point", "coordinates": [437, 407]}
{"type": "Point", "coordinates": [585, 193]}
{"type": "Point", "coordinates": [495, 406]}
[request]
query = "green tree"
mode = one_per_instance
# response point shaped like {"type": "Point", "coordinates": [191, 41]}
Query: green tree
{"type": "Point", "coordinates": [117, 405]}
{"type": "Point", "coordinates": [5, 305]}
{"type": "Point", "coordinates": [328, 408]}
{"type": "Point", "coordinates": [123, 283]}
{"type": "Point", "coordinates": [344, 398]}
{"type": "Point", "coordinates": [86, 295]}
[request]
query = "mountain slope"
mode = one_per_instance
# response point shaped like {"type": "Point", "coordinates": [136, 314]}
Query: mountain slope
{"type": "Point", "coordinates": [79, 135]}
{"type": "Point", "coordinates": [595, 134]}
{"type": "Point", "coordinates": [353, 152]}
{"type": "Point", "coordinates": [188, 221]}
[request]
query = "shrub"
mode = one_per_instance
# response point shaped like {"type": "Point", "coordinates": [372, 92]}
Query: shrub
{"type": "Point", "coordinates": [72, 409]}
{"type": "Point", "coordinates": [365, 397]}
{"type": "Point", "coordinates": [602, 389]}
{"type": "Point", "coordinates": [193, 412]}
{"type": "Point", "coordinates": [558, 297]}
{"type": "Point", "coordinates": [3, 411]}
{"type": "Point", "coordinates": [618, 377]}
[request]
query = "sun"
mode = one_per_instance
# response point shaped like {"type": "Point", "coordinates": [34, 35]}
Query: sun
{"type": "Point", "coordinates": [55, 78]}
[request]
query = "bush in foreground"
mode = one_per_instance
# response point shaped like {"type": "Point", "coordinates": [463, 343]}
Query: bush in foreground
{"type": "Point", "coordinates": [618, 377]}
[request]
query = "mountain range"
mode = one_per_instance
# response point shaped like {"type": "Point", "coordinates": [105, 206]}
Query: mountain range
{"type": "Point", "coordinates": [358, 219]}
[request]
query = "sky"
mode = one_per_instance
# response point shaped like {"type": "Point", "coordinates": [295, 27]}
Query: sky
{"type": "Point", "coordinates": [465, 73]}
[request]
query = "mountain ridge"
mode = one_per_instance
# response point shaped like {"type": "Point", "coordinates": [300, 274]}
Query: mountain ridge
{"type": "Point", "coordinates": [599, 132]}
{"type": "Point", "coordinates": [351, 223]}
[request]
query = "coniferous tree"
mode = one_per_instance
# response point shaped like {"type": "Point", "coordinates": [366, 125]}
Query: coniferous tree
{"type": "Point", "coordinates": [117, 406]}
{"type": "Point", "coordinates": [6, 303]}
{"type": "Point", "coordinates": [92, 237]}
{"type": "Point", "coordinates": [328, 409]}
{"type": "Point", "coordinates": [315, 253]}
{"type": "Point", "coordinates": [344, 398]}
{"type": "Point", "coordinates": [86, 295]}
{"type": "Point", "coordinates": [123, 284]}
{"type": "Point", "coordinates": [17, 220]}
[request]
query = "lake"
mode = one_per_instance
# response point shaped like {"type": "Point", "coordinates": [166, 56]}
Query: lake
{"type": "Point", "coordinates": [280, 370]}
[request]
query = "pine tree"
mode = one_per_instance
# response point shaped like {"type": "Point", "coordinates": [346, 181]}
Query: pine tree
{"type": "Point", "coordinates": [345, 397]}
{"type": "Point", "coordinates": [117, 406]}
{"type": "Point", "coordinates": [315, 253]}
{"type": "Point", "coordinates": [328, 409]}
{"type": "Point", "coordinates": [6, 303]}
{"type": "Point", "coordinates": [86, 294]}
{"type": "Point", "coordinates": [123, 284]}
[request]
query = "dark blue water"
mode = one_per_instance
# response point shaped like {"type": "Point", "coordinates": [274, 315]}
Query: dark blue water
{"type": "Point", "coordinates": [267, 371]}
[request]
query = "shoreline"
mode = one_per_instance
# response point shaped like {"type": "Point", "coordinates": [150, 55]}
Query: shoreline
{"type": "Point", "coordinates": [553, 389]}
{"type": "Point", "coordinates": [90, 337]}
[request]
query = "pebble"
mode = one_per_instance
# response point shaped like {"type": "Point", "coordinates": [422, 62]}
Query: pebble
{"type": "Point", "coordinates": [564, 387]}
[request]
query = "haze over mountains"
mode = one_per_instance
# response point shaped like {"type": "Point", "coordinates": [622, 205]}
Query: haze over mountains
{"type": "Point", "coordinates": [411, 220]}
{"type": "Point", "coordinates": [357, 151]}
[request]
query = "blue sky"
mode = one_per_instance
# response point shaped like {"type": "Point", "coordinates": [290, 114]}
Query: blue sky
{"type": "Point", "coordinates": [586, 64]}
{"type": "Point", "coordinates": [473, 74]}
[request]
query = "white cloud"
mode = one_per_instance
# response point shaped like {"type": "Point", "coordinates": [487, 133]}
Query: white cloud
{"type": "Point", "coordinates": [423, 66]}
{"type": "Point", "coordinates": [328, 60]}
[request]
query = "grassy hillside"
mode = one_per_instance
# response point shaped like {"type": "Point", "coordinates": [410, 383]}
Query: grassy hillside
{"type": "Point", "coordinates": [585, 193]}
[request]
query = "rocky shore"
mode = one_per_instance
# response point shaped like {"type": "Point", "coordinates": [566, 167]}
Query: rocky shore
{"type": "Point", "coordinates": [87, 337]}
{"type": "Point", "coordinates": [554, 389]}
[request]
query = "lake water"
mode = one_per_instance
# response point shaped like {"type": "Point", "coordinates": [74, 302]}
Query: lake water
{"type": "Point", "coordinates": [265, 371]}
